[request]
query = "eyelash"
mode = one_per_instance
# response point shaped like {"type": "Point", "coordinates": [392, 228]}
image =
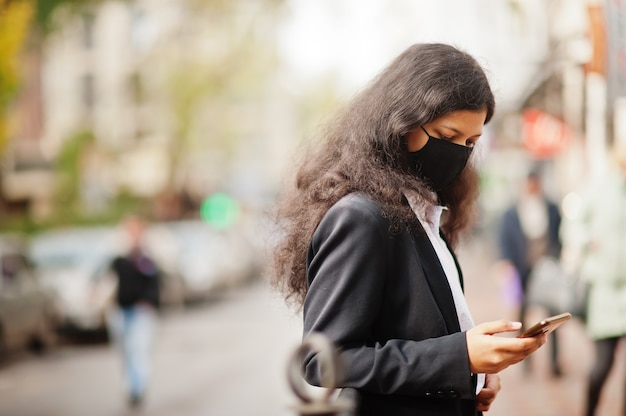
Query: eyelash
{"type": "Point", "coordinates": [468, 143]}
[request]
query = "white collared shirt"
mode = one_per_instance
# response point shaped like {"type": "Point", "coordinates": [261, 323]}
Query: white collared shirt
{"type": "Point", "coordinates": [430, 221]}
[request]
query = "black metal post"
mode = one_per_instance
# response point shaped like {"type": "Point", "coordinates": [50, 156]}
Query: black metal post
{"type": "Point", "coordinates": [321, 404]}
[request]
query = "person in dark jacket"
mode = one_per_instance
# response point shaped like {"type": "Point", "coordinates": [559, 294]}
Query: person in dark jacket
{"type": "Point", "coordinates": [368, 232]}
{"type": "Point", "coordinates": [134, 319]}
{"type": "Point", "coordinates": [529, 231]}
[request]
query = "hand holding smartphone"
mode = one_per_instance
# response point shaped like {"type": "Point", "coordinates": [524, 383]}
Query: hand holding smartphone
{"type": "Point", "coordinates": [545, 326]}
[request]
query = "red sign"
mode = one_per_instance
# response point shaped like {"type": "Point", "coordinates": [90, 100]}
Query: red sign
{"type": "Point", "coordinates": [544, 135]}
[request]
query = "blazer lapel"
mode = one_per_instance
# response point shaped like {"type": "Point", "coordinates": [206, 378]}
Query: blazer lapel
{"type": "Point", "coordinates": [437, 280]}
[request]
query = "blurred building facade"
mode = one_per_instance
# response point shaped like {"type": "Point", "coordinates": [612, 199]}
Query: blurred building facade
{"type": "Point", "coordinates": [571, 111]}
{"type": "Point", "coordinates": [187, 95]}
{"type": "Point", "coordinates": [148, 80]}
{"type": "Point", "coordinates": [584, 84]}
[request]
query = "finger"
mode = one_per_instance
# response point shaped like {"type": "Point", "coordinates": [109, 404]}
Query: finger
{"type": "Point", "coordinates": [496, 327]}
{"type": "Point", "coordinates": [486, 395]}
{"type": "Point", "coordinates": [531, 345]}
{"type": "Point", "coordinates": [492, 381]}
{"type": "Point", "coordinates": [483, 404]}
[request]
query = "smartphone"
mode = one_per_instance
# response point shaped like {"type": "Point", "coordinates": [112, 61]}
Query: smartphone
{"type": "Point", "coordinates": [545, 326]}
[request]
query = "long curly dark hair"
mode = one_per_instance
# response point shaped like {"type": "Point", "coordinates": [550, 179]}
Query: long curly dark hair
{"type": "Point", "coordinates": [363, 149]}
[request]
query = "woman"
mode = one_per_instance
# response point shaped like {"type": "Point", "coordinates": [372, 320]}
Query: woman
{"type": "Point", "coordinates": [366, 255]}
{"type": "Point", "coordinates": [597, 236]}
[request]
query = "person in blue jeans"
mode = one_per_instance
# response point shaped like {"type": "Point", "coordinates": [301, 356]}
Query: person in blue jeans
{"type": "Point", "coordinates": [133, 320]}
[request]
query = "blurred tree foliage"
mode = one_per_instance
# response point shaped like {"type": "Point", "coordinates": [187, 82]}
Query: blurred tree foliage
{"type": "Point", "coordinates": [213, 77]}
{"type": "Point", "coordinates": [24, 25]}
{"type": "Point", "coordinates": [206, 87]}
{"type": "Point", "coordinates": [68, 206]}
{"type": "Point", "coordinates": [209, 96]}
{"type": "Point", "coordinates": [15, 17]}
{"type": "Point", "coordinates": [44, 23]}
{"type": "Point", "coordinates": [68, 166]}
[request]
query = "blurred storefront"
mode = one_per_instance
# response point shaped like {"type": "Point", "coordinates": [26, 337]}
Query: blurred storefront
{"type": "Point", "coordinates": [573, 109]}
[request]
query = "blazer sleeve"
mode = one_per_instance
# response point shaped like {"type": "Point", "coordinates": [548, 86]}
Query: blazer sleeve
{"type": "Point", "coordinates": [349, 259]}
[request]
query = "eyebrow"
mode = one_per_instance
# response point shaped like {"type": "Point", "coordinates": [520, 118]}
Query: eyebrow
{"type": "Point", "coordinates": [459, 131]}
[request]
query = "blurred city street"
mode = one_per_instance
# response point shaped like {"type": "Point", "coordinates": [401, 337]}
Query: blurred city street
{"type": "Point", "coordinates": [223, 357]}
{"type": "Point", "coordinates": [228, 356]}
{"type": "Point", "coordinates": [189, 114]}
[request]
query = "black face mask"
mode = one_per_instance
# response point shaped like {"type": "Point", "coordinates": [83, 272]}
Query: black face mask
{"type": "Point", "coordinates": [439, 162]}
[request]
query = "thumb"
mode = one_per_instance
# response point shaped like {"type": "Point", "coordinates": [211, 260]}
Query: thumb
{"type": "Point", "coordinates": [495, 327]}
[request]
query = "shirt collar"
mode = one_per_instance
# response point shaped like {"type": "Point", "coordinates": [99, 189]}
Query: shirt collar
{"type": "Point", "coordinates": [431, 216]}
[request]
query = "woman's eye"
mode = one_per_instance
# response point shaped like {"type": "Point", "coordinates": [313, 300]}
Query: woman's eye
{"type": "Point", "coordinates": [470, 143]}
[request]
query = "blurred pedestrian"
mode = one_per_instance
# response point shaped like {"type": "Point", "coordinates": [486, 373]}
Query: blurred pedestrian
{"type": "Point", "coordinates": [600, 233]}
{"type": "Point", "coordinates": [529, 232]}
{"type": "Point", "coordinates": [368, 238]}
{"type": "Point", "coordinates": [134, 318]}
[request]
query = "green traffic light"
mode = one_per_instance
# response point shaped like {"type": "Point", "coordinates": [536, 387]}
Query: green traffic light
{"type": "Point", "coordinates": [220, 210]}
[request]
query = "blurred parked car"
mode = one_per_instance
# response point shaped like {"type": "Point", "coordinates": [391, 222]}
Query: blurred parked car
{"type": "Point", "coordinates": [205, 258]}
{"type": "Point", "coordinates": [27, 310]}
{"type": "Point", "coordinates": [75, 263]}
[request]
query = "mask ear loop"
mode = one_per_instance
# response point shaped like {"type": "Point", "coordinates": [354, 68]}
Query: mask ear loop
{"type": "Point", "coordinates": [429, 136]}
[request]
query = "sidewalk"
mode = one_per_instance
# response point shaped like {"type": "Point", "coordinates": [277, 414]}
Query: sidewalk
{"type": "Point", "coordinates": [538, 393]}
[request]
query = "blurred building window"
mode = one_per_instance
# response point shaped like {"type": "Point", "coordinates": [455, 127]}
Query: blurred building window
{"type": "Point", "coordinates": [87, 91]}
{"type": "Point", "coordinates": [143, 31]}
{"type": "Point", "coordinates": [88, 20]}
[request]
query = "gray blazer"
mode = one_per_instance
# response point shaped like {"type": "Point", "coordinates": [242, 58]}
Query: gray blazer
{"type": "Point", "coordinates": [384, 300]}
